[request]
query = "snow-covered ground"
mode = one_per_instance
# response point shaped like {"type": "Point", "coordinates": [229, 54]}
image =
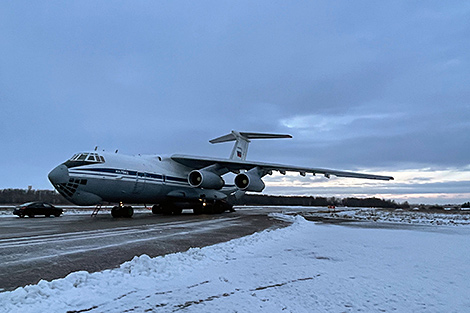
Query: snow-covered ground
{"type": "Point", "coordinates": [305, 267]}
{"type": "Point", "coordinates": [395, 216]}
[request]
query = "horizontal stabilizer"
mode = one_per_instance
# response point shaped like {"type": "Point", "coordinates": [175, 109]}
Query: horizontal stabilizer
{"type": "Point", "coordinates": [233, 136]}
{"type": "Point", "coordinates": [240, 149]}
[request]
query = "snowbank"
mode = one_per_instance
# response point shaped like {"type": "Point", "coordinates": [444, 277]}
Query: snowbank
{"type": "Point", "coordinates": [302, 268]}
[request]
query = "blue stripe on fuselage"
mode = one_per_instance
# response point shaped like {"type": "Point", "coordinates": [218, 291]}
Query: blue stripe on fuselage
{"type": "Point", "coordinates": [133, 174]}
{"type": "Point", "coordinates": [128, 173]}
{"type": "Point", "coordinates": [121, 172]}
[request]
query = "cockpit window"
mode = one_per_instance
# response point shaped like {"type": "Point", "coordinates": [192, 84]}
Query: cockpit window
{"type": "Point", "coordinates": [84, 159]}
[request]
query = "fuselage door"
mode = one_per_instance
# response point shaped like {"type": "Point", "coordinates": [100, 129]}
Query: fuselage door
{"type": "Point", "coordinates": [139, 182]}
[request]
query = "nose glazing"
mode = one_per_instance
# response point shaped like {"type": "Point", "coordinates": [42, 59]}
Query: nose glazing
{"type": "Point", "coordinates": [59, 175]}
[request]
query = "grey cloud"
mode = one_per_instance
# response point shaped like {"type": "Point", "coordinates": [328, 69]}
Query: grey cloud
{"type": "Point", "coordinates": [159, 77]}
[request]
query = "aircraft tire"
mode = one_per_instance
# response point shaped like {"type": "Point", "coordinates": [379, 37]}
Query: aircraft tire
{"type": "Point", "coordinates": [115, 212]}
{"type": "Point", "coordinates": [220, 207]}
{"type": "Point", "coordinates": [126, 211]}
{"type": "Point", "coordinates": [157, 209]}
{"type": "Point", "coordinates": [167, 210]}
{"type": "Point", "coordinates": [177, 211]}
{"type": "Point", "coordinates": [198, 210]}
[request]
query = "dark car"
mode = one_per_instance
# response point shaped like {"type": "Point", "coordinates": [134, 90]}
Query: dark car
{"type": "Point", "coordinates": [37, 208]}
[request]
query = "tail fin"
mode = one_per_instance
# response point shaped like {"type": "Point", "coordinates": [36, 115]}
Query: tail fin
{"type": "Point", "coordinates": [242, 140]}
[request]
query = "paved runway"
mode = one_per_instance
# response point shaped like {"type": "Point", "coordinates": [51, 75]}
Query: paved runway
{"type": "Point", "coordinates": [38, 248]}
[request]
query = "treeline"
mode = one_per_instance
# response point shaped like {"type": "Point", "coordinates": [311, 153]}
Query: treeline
{"type": "Point", "coordinates": [18, 196]}
{"type": "Point", "coordinates": [250, 199]}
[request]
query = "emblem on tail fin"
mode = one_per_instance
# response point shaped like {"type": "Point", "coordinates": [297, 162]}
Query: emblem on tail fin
{"type": "Point", "coordinates": [242, 140]}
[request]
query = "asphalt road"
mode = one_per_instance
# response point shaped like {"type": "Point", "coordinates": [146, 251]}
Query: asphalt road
{"type": "Point", "coordinates": [38, 248]}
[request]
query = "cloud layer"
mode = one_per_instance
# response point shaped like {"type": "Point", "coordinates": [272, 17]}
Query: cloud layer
{"type": "Point", "coordinates": [360, 85]}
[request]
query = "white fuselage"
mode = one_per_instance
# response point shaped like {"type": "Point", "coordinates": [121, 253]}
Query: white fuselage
{"type": "Point", "coordinates": [91, 178]}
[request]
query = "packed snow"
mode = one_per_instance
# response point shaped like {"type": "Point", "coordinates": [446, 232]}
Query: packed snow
{"type": "Point", "coordinates": [305, 267]}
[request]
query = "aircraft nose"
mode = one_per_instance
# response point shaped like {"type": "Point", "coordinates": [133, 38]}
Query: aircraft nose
{"type": "Point", "coordinates": [59, 175]}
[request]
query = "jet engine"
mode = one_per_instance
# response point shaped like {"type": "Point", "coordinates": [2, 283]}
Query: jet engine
{"type": "Point", "coordinates": [250, 181]}
{"type": "Point", "coordinates": [205, 179]}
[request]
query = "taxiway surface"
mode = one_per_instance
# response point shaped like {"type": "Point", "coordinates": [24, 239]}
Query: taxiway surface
{"type": "Point", "coordinates": [38, 248]}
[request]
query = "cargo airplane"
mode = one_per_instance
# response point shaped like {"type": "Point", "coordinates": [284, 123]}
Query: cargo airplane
{"type": "Point", "coordinates": [172, 183]}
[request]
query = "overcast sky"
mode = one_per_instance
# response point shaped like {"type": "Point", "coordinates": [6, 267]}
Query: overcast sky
{"type": "Point", "coordinates": [373, 86]}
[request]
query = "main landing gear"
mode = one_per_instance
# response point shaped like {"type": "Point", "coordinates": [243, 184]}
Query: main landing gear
{"type": "Point", "coordinates": [122, 211]}
{"type": "Point", "coordinates": [213, 207]}
{"type": "Point", "coordinates": [166, 209]}
{"type": "Point", "coordinates": [201, 207]}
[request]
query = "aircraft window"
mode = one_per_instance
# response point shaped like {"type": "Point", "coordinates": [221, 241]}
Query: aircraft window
{"type": "Point", "coordinates": [84, 159]}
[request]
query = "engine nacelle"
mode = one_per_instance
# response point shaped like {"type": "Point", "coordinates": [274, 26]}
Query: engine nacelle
{"type": "Point", "coordinates": [249, 181]}
{"type": "Point", "coordinates": [205, 179]}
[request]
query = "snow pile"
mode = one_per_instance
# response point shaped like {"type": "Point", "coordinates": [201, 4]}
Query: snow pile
{"type": "Point", "coordinates": [301, 268]}
{"type": "Point", "coordinates": [407, 217]}
{"type": "Point", "coordinates": [6, 211]}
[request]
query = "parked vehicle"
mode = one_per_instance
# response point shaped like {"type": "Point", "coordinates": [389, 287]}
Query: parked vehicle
{"type": "Point", "coordinates": [32, 209]}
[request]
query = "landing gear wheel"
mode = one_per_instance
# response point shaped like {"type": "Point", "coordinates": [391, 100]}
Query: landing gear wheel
{"type": "Point", "coordinates": [177, 211]}
{"type": "Point", "coordinates": [122, 211]}
{"type": "Point", "coordinates": [227, 207]}
{"type": "Point", "coordinates": [216, 207]}
{"type": "Point", "coordinates": [198, 210]}
{"type": "Point", "coordinates": [129, 211]}
{"type": "Point", "coordinates": [157, 209]}
{"type": "Point", "coordinates": [168, 209]}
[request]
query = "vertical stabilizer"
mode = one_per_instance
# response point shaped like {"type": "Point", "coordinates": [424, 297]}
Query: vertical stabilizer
{"type": "Point", "coordinates": [242, 140]}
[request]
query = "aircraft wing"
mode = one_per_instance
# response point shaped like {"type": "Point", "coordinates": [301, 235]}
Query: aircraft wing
{"type": "Point", "coordinates": [235, 166]}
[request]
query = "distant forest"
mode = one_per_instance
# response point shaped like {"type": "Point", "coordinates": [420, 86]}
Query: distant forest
{"type": "Point", "coordinates": [250, 199]}
{"type": "Point", "coordinates": [18, 196]}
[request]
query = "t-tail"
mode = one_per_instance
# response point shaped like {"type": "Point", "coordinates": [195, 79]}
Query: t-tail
{"type": "Point", "coordinates": [242, 140]}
